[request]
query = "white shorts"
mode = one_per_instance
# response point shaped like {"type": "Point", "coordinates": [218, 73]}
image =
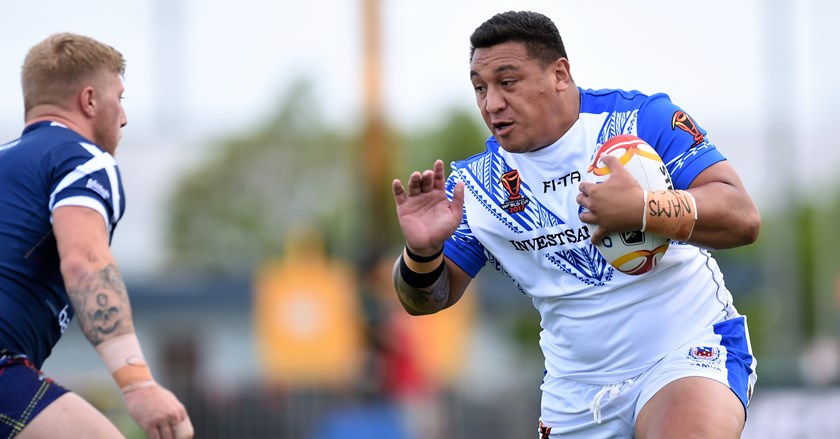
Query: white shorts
{"type": "Point", "coordinates": [572, 409]}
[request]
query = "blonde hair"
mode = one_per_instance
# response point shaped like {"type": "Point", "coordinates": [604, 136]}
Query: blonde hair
{"type": "Point", "coordinates": [62, 64]}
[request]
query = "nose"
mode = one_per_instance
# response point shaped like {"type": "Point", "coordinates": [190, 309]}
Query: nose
{"type": "Point", "coordinates": [123, 118]}
{"type": "Point", "coordinates": [494, 101]}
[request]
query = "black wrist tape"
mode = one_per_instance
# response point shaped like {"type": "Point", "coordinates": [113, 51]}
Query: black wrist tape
{"type": "Point", "coordinates": [420, 280]}
{"type": "Point", "coordinates": [418, 258]}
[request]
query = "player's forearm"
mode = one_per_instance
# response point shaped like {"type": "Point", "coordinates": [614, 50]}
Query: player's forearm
{"type": "Point", "coordinates": [422, 300]}
{"type": "Point", "coordinates": [99, 300]}
{"type": "Point", "coordinates": [101, 303]}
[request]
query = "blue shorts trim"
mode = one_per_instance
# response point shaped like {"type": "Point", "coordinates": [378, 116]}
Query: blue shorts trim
{"type": "Point", "coordinates": [24, 393]}
{"type": "Point", "coordinates": [739, 360]}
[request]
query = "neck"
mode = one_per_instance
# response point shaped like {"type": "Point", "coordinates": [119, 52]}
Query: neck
{"type": "Point", "coordinates": [571, 102]}
{"type": "Point", "coordinates": [53, 113]}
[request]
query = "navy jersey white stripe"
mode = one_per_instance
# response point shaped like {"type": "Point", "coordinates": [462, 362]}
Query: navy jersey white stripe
{"type": "Point", "coordinates": [49, 166]}
{"type": "Point", "coordinates": [100, 161]}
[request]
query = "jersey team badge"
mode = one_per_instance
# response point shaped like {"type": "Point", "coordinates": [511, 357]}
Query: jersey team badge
{"type": "Point", "coordinates": [704, 353]}
{"type": "Point", "coordinates": [512, 183]}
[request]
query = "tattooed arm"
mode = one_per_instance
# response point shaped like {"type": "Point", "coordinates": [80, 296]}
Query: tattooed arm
{"type": "Point", "coordinates": [100, 300]}
{"type": "Point", "coordinates": [101, 304]}
{"type": "Point", "coordinates": [443, 293]}
{"type": "Point", "coordinates": [91, 276]}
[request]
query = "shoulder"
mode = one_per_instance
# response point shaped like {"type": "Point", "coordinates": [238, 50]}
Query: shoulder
{"type": "Point", "coordinates": [491, 147]}
{"type": "Point", "coordinates": [610, 99]}
{"type": "Point", "coordinates": [605, 100]}
{"type": "Point", "coordinates": [61, 146]}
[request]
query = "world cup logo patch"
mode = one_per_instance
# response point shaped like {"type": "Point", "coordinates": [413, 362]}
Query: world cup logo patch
{"type": "Point", "coordinates": [512, 183]}
{"type": "Point", "coordinates": [684, 122]}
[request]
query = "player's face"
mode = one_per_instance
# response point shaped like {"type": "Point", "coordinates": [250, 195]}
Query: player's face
{"type": "Point", "coordinates": [110, 115]}
{"type": "Point", "coordinates": [518, 96]}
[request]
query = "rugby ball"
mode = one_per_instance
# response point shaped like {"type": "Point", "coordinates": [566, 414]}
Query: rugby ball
{"type": "Point", "coordinates": [633, 252]}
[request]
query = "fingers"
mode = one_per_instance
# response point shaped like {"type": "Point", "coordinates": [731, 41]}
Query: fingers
{"type": "Point", "coordinates": [427, 181]}
{"type": "Point", "coordinates": [177, 425]}
{"type": "Point", "coordinates": [612, 162]}
{"type": "Point", "coordinates": [414, 184]}
{"type": "Point", "coordinates": [420, 182]}
{"type": "Point", "coordinates": [184, 429]}
{"type": "Point", "coordinates": [153, 432]}
{"type": "Point", "coordinates": [174, 425]}
{"type": "Point", "coordinates": [158, 412]}
{"type": "Point", "coordinates": [616, 168]}
{"type": "Point", "coordinates": [439, 175]}
{"type": "Point", "coordinates": [166, 431]}
{"type": "Point", "coordinates": [458, 198]}
{"type": "Point", "coordinates": [585, 188]}
{"type": "Point", "coordinates": [598, 234]}
{"type": "Point", "coordinates": [399, 191]}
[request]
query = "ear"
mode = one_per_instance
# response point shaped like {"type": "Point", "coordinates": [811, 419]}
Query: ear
{"type": "Point", "coordinates": [87, 101]}
{"type": "Point", "coordinates": [562, 74]}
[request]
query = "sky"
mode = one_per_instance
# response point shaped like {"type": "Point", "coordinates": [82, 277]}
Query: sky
{"type": "Point", "coordinates": [757, 75]}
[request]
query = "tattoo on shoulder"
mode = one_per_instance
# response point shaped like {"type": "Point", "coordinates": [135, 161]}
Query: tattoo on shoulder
{"type": "Point", "coordinates": [101, 304]}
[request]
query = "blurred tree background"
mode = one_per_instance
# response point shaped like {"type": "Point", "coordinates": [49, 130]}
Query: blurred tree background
{"type": "Point", "coordinates": [241, 201]}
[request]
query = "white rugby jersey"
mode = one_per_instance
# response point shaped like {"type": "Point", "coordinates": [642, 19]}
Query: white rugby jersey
{"type": "Point", "coordinates": [520, 214]}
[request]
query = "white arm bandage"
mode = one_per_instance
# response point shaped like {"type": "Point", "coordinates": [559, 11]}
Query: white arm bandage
{"type": "Point", "coordinates": [124, 359]}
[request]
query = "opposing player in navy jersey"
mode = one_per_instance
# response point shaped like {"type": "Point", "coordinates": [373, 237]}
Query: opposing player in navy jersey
{"type": "Point", "coordinates": [60, 201]}
{"type": "Point", "coordinates": [660, 355]}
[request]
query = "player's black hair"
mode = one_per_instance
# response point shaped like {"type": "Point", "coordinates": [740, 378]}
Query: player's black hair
{"type": "Point", "coordinates": [538, 32]}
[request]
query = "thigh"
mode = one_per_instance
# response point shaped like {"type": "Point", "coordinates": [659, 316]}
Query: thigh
{"type": "Point", "coordinates": [692, 407]}
{"type": "Point", "coordinates": [69, 417]}
{"type": "Point", "coordinates": [24, 393]}
{"type": "Point", "coordinates": [701, 389]}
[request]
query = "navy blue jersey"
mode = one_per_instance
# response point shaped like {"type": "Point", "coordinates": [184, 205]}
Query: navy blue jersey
{"type": "Point", "coordinates": [47, 167]}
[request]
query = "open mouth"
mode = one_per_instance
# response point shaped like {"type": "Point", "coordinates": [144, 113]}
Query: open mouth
{"type": "Point", "coordinates": [502, 128]}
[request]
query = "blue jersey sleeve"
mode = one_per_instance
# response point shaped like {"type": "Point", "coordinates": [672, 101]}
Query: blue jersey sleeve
{"type": "Point", "coordinates": [84, 175]}
{"type": "Point", "coordinates": [462, 247]}
{"type": "Point", "coordinates": [679, 140]}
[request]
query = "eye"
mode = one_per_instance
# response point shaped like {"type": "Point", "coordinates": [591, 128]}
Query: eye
{"type": "Point", "coordinates": [507, 82]}
{"type": "Point", "coordinates": [479, 89]}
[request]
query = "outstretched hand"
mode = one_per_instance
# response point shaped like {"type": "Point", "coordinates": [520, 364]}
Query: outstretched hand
{"type": "Point", "coordinates": [427, 217]}
{"type": "Point", "coordinates": [159, 413]}
{"type": "Point", "coordinates": [616, 205]}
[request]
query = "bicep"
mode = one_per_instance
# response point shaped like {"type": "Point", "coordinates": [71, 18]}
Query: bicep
{"type": "Point", "coordinates": [726, 214]}
{"type": "Point", "coordinates": [82, 240]}
{"type": "Point", "coordinates": [718, 190]}
{"type": "Point", "coordinates": [720, 172]}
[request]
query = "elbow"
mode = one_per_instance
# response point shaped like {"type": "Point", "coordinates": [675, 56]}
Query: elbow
{"type": "Point", "coordinates": [416, 311]}
{"type": "Point", "coordinates": [749, 230]}
{"type": "Point", "coordinates": [78, 265]}
{"type": "Point", "coordinates": [752, 234]}
{"type": "Point", "coordinates": [73, 269]}
{"type": "Point", "coordinates": [753, 227]}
